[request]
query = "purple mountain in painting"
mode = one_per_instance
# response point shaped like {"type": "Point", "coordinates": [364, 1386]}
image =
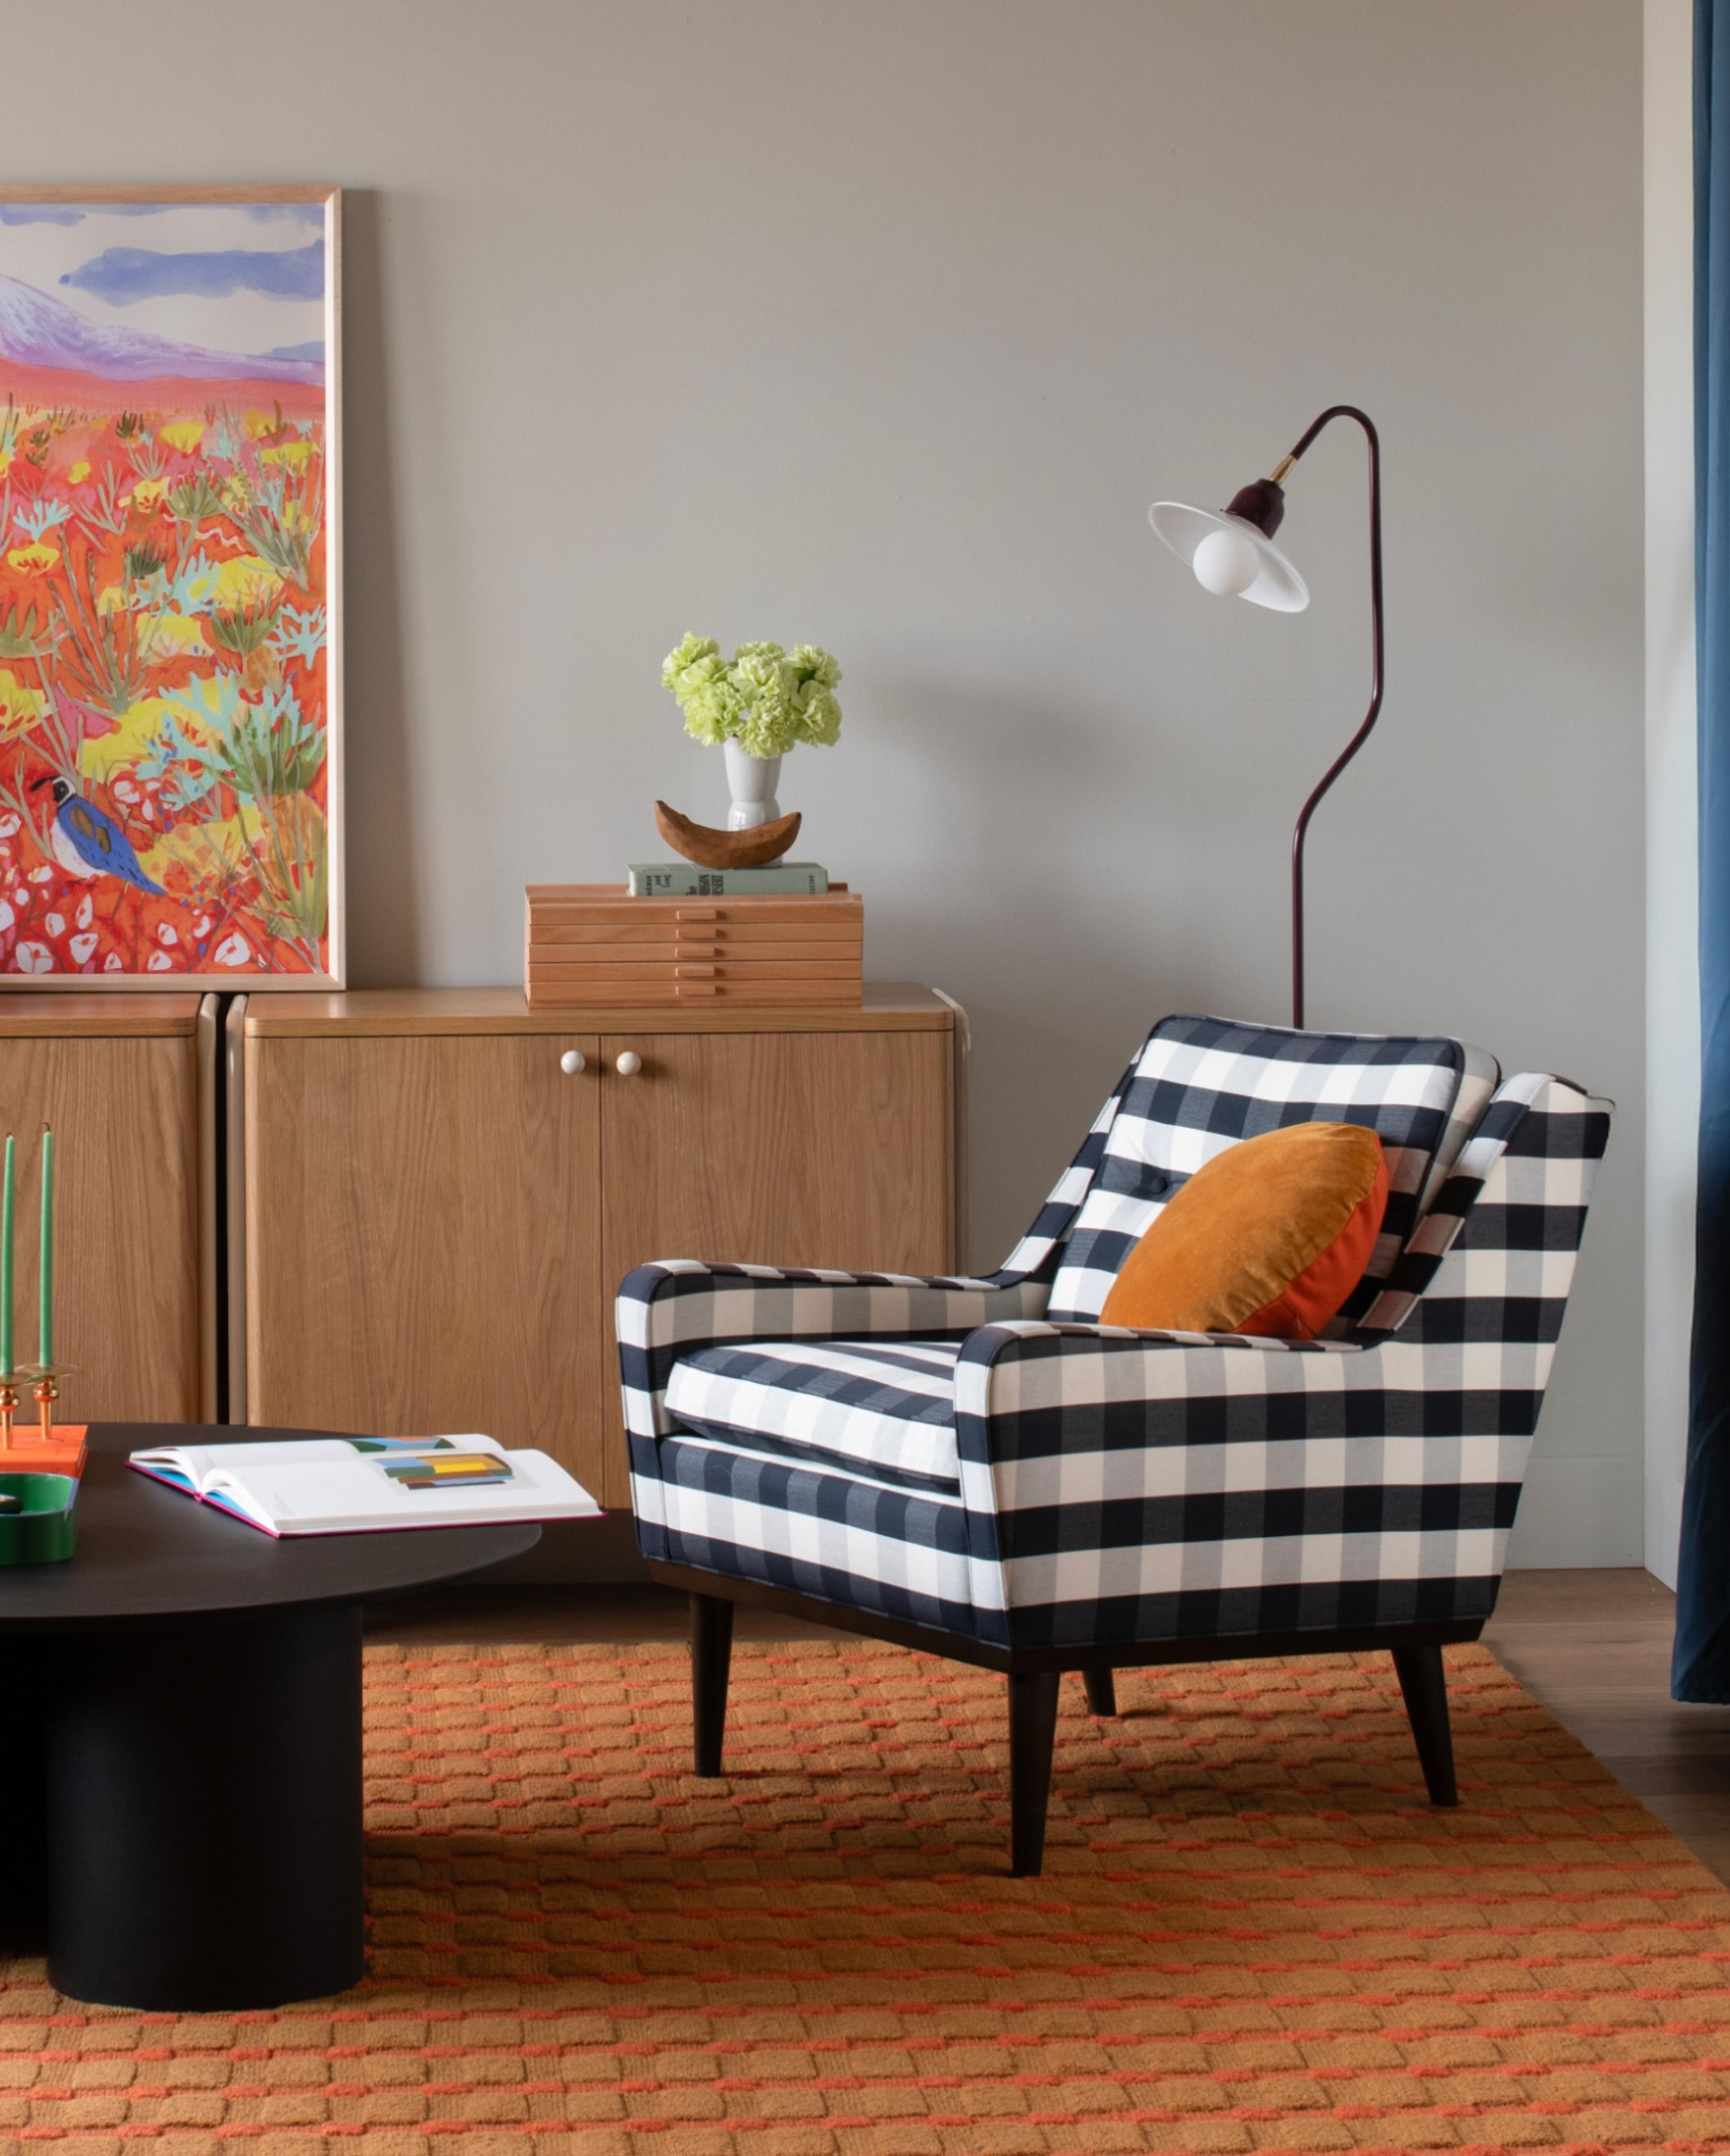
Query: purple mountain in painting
{"type": "Point", "coordinates": [36, 331]}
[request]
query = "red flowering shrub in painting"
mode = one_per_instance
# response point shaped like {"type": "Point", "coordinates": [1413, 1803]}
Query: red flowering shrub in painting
{"type": "Point", "coordinates": [163, 704]}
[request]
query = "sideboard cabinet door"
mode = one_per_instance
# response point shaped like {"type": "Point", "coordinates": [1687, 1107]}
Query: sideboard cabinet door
{"type": "Point", "coordinates": [781, 1148]}
{"type": "Point", "coordinates": [423, 1237]}
{"type": "Point", "coordinates": [125, 1109]}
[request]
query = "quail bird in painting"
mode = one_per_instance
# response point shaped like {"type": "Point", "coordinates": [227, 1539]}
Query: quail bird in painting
{"type": "Point", "coordinates": [88, 843]}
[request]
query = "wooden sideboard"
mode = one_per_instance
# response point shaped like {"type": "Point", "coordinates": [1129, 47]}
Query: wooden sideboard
{"type": "Point", "coordinates": [129, 1084]}
{"type": "Point", "coordinates": [433, 1194]}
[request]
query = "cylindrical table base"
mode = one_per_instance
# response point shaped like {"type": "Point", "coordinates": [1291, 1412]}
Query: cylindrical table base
{"type": "Point", "coordinates": [30, 1686]}
{"type": "Point", "coordinates": [204, 1790]}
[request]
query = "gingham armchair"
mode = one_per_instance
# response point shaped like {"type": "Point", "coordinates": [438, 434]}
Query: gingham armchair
{"type": "Point", "coordinates": [978, 1468]}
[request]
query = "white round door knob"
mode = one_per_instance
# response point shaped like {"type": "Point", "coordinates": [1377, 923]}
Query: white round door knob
{"type": "Point", "coordinates": [630, 1064]}
{"type": "Point", "coordinates": [572, 1061]}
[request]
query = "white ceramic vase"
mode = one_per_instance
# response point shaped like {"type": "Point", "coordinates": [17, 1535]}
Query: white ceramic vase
{"type": "Point", "coordinates": [750, 780]}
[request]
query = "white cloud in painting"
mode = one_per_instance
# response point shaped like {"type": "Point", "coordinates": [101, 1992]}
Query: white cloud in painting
{"type": "Point", "coordinates": [230, 313]}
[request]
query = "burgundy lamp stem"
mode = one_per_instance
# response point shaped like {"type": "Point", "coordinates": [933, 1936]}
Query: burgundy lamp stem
{"type": "Point", "coordinates": [1358, 739]}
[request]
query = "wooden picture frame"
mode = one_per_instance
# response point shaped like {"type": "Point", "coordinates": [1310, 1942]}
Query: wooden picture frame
{"type": "Point", "coordinates": [171, 581]}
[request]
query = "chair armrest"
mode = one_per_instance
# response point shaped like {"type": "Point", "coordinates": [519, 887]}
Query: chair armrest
{"type": "Point", "coordinates": [680, 1305]}
{"type": "Point", "coordinates": [1032, 1400]}
{"type": "Point", "coordinates": [1516, 1196]}
{"type": "Point", "coordinates": [1139, 1485]}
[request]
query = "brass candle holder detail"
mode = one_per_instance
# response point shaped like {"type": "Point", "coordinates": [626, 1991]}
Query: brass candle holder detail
{"type": "Point", "coordinates": [43, 1380]}
{"type": "Point", "coordinates": [45, 1392]}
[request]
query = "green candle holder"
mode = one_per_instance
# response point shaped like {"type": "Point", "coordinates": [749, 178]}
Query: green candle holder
{"type": "Point", "coordinates": [44, 1530]}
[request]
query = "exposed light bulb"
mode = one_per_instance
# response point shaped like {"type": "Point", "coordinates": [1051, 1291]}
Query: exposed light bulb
{"type": "Point", "coordinates": [1226, 563]}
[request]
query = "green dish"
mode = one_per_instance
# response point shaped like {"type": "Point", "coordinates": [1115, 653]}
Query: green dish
{"type": "Point", "coordinates": [44, 1527]}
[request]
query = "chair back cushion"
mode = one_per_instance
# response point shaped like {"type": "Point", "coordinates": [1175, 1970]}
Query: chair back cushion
{"type": "Point", "coordinates": [1201, 1084]}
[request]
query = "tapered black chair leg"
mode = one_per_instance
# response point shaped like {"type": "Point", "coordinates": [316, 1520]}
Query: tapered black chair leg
{"type": "Point", "coordinates": [712, 1654]}
{"type": "Point", "coordinates": [1101, 1691]}
{"type": "Point", "coordinates": [1425, 1691]}
{"type": "Point", "coordinates": [1033, 1725]}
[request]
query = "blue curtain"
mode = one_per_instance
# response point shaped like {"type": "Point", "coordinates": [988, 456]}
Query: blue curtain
{"type": "Point", "coordinates": [1700, 1670]}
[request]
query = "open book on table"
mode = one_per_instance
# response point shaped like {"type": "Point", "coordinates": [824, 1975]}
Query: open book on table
{"type": "Point", "coordinates": [336, 1485]}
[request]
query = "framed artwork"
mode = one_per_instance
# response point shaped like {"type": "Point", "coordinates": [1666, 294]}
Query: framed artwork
{"type": "Point", "coordinates": [170, 777]}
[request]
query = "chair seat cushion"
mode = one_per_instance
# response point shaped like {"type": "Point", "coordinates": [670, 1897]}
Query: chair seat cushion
{"type": "Point", "coordinates": [883, 1409]}
{"type": "Point", "coordinates": [847, 1539]}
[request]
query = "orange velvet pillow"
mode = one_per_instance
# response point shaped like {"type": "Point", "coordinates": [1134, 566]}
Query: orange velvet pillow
{"type": "Point", "coordinates": [1270, 1237]}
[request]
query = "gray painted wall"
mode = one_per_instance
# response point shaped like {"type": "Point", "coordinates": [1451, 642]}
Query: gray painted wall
{"type": "Point", "coordinates": [879, 326]}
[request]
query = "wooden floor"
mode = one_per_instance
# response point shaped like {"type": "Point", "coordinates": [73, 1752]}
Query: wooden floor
{"type": "Point", "coordinates": [1594, 1646]}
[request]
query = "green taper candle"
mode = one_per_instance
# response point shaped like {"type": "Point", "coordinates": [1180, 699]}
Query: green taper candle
{"type": "Point", "coordinates": [45, 1355]}
{"type": "Point", "coordinates": [7, 1365]}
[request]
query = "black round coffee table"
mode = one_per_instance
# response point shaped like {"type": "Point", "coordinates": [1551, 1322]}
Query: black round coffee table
{"type": "Point", "coordinates": [180, 1809]}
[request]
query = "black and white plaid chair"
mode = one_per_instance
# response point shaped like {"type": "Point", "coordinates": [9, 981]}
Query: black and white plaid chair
{"type": "Point", "coordinates": [980, 1469]}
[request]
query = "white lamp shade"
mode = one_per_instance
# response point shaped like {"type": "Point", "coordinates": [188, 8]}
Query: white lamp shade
{"type": "Point", "coordinates": [1275, 583]}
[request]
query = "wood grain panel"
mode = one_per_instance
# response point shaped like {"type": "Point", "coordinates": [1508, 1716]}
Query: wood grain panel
{"type": "Point", "coordinates": [599, 974]}
{"type": "Point", "coordinates": [561, 975]}
{"type": "Point", "coordinates": [551, 902]}
{"type": "Point", "coordinates": [743, 988]}
{"type": "Point", "coordinates": [126, 1289]}
{"type": "Point", "coordinates": [803, 1149]}
{"type": "Point", "coordinates": [25, 1016]}
{"type": "Point", "coordinates": [422, 1239]}
{"type": "Point", "coordinates": [209, 1137]}
{"type": "Point", "coordinates": [883, 1007]}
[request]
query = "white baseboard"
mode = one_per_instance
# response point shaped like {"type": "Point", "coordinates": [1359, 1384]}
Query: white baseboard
{"type": "Point", "coordinates": [1663, 1527]}
{"type": "Point", "coordinates": [1579, 1512]}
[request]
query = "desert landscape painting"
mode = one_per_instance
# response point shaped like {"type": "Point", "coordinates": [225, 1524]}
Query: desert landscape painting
{"type": "Point", "coordinates": [168, 720]}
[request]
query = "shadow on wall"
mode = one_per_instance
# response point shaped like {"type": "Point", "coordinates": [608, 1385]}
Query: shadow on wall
{"type": "Point", "coordinates": [384, 941]}
{"type": "Point", "coordinates": [1012, 874]}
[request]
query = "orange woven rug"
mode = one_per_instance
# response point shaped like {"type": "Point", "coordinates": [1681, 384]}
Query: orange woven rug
{"type": "Point", "coordinates": [1253, 1933]}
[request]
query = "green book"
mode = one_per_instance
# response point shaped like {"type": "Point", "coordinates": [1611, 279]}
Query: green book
{"type": "Point", "coordinates": [685, 880]}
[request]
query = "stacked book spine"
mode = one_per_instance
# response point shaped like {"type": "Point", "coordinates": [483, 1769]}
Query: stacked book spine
{"type": "Point", "coordinates": [686, 880]}
{"type": "Point", "coordinates": [594, 945]}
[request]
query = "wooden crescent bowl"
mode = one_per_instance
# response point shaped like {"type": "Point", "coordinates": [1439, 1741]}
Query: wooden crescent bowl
{"type": "Point", "coordinates": [711, 848]}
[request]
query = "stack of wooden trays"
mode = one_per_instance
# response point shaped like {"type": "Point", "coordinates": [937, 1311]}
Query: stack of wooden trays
{"type": "Point", "coordinates": [593, 944]}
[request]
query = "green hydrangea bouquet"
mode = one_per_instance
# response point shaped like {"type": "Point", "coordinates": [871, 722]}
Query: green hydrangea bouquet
{"type": "Point", "coordinates": [767, 700]}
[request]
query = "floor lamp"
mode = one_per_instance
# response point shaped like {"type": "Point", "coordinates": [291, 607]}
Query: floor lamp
{"type": "Point", "coordinates": [1232, 553]}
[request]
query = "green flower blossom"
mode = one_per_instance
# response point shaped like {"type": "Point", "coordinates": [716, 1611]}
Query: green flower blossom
{"type": "Point", "coordinates": [691, 654]}
{"type": "Point", "coordinates": [819, 717]}
{"type": "Point", "coordinates": [812, 664]}
{"type": "Point", "coordinates": [765, 698]}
